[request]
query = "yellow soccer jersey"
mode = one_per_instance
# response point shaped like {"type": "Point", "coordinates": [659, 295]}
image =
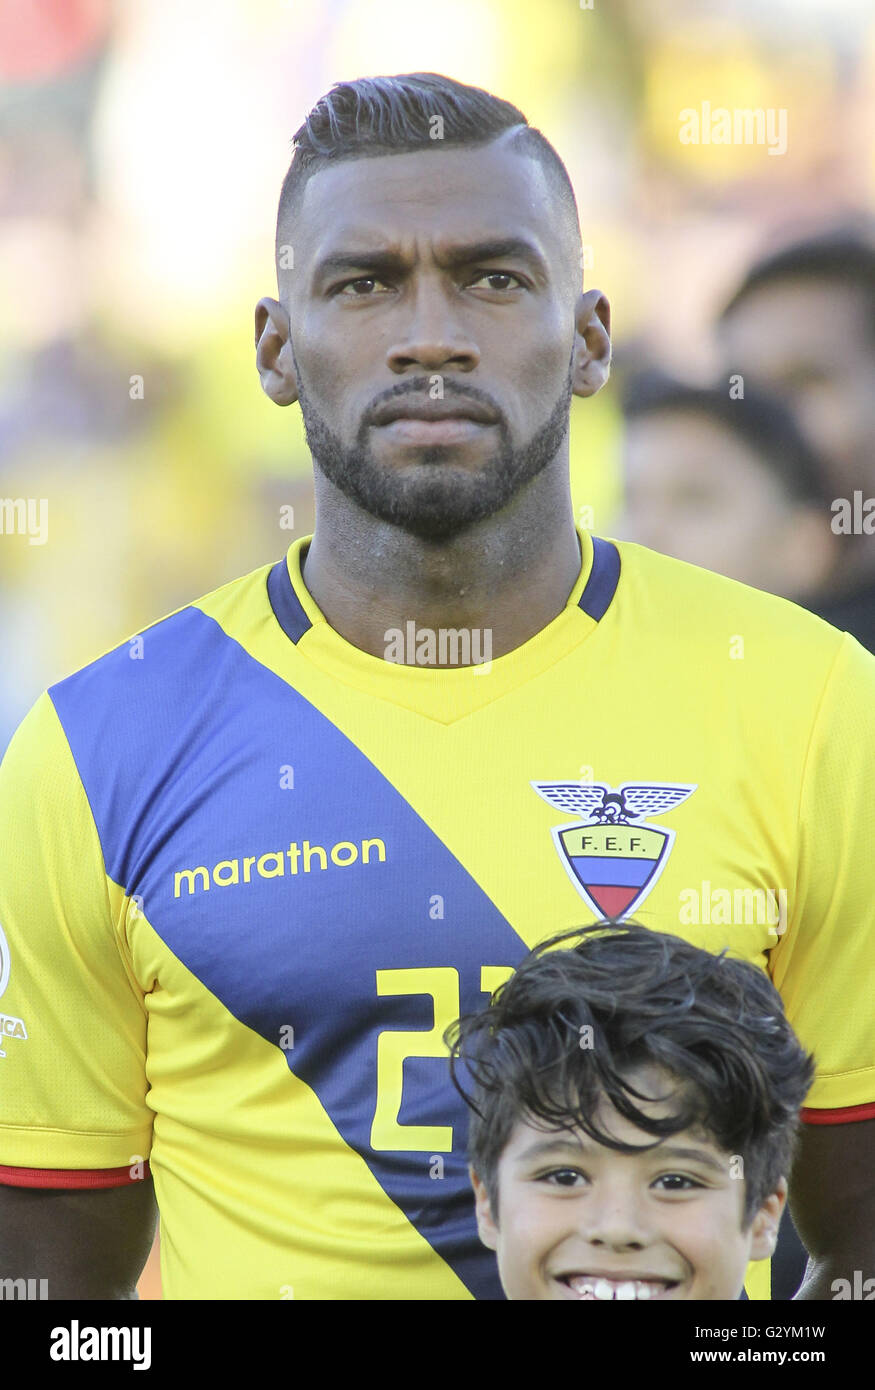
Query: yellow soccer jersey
{"type": "Point", "coordinates": [249, 874]}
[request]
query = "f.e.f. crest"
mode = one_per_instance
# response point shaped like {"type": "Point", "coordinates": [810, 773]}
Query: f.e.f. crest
{"type": "Point", "coordinates": [613, 858]}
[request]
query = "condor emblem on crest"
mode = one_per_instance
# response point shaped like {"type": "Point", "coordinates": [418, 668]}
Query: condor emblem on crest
{"type": "Point", "coordinates": [613, 858]}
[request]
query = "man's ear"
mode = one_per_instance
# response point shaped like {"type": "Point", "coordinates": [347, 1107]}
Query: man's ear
{"type": "Point", "coordinates": [273, 352]}
{"type": "Point", "coordinates": [486, 1226]}
{"type": "Point", "coordinates": [764, 1228]}
{"type": "Point", "coordinates": [592, 346]}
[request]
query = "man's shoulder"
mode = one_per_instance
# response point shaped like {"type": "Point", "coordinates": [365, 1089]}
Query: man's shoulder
{"type": "Point", "coordinates": [178, 638]}
{"type": "Point", "coordinates": [692, 601]}
{"type": "Point", "coordinates": [726, 641]}
{"type": "Point", "coordinates": [171, 676]}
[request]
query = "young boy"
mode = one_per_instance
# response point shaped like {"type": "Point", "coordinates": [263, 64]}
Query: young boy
{"type": "Point", "coordinates": [634, 1102]}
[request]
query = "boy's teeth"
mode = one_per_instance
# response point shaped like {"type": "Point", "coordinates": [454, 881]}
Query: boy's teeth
{"type": "Point", "coordinates": [587, 1287]}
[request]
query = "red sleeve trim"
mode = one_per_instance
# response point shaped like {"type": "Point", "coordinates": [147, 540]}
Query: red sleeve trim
{"type": "Point", "coordinates": [846, 1115]}
{"type": "Point", "coordinates": [69, 1177]}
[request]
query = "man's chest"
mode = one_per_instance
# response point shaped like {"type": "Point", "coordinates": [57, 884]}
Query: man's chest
{"type": "Point", "coordinates": [376, 839]}
{"type": "Point", "coordinates": [342, 881]}
{"type": "Point", "coordinates": [347, 892]}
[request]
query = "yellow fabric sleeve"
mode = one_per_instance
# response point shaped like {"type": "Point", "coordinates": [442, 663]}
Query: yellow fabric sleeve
{"type": "Point", "coordinates": [824, 965]}
{"type": "Point", "coordinates": [72, 1091]}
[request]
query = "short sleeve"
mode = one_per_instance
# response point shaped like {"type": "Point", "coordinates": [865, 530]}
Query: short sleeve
{"type": "Point", "coordinates": [73, 1109]}
{"type": "Point", "coordinates": [824, 965]}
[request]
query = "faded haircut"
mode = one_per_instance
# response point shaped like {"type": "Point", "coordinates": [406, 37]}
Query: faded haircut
{"type": "Point", "coordinates": [375, 116]}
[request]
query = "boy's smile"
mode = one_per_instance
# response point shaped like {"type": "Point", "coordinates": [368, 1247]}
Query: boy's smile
{"type": "Point", "coordinates": [578, 1220]}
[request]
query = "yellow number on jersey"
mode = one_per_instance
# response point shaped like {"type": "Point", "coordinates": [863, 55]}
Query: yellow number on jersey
{"type": "Point", "coordinates": [442, 983]}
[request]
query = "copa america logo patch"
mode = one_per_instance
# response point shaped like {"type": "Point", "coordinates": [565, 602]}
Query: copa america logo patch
{"type": "Point", "coordinates": [10, 1026]}
{"type": "Point", "coordinates": [613, 858]}
{"type": "Point", "coordinates": [4, 961]}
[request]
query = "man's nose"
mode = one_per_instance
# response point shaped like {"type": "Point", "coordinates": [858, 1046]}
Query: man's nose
{"type": "Point", "coordinates": [431, 333]}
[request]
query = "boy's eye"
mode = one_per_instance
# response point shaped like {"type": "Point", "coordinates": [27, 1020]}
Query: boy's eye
{"type": "Point", "coordinates": [677, 1182]}
{"type": "Point", "coordinates": [563, 1177]}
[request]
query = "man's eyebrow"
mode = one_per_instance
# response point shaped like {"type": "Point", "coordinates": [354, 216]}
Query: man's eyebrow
{"type": "Point", "coordinates": [497, 248]}
{"type": "Point", "coordinates": [357, 260]}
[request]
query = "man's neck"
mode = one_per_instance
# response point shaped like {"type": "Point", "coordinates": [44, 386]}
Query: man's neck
{"type": "Point", "coordinates": [503, 579]}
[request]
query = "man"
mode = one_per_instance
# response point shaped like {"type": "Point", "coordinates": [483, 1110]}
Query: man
{"type": "Point", "coordinates": [257, 860]}
{"type": "Point", "coordinates": [730, 485]}
{"type": "Point", "coordinates": [802, 325]}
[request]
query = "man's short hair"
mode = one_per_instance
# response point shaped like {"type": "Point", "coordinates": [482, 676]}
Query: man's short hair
{"type": "Point", "coordinates": [394, 115]}
{"type": "Point", "coordinates": [716, 1024]}
{"type": "Point", "coordinates": [843, 255]}
{"type": "Point", "coordinates": [761, 422]}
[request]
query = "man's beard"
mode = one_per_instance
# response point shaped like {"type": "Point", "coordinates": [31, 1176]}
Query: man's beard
{"type": "Point", "coordinates": [435, 499]}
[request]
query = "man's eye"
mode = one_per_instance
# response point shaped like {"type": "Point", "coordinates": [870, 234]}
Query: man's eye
{"type": "Point", "coordinates": [677, 1182]}
{"type": "Point", "coordinates": [499, 275]}
{"type": "Point", "coordinates": [563, 1177]}
{"type": "Point", "coordinates": [362, 280]}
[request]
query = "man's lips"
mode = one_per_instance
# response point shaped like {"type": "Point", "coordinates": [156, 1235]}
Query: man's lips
{"type": "Point", "coordinates": [423, 408]}
{"type": "Point", "coordinates": [447, 430]}
{"type": "Point", "coordinates": [416, 419]}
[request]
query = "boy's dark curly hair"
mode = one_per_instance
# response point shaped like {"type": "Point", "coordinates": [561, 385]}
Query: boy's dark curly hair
{"type": "Point", "coordinates": [716, 1024]}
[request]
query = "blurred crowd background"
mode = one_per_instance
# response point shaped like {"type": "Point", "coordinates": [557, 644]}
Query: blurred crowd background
{"type": "Point", "coordinates": [142, 148]}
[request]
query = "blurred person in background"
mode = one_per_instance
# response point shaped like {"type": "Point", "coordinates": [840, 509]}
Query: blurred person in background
{"type": "Point", "coordinates": [802, 325]}
{"type": "Point", "coordinates": [730, 485]}
{"type": "Point", "coordinates": [70, 433]}
{"type": "Point", "coordinates": [114, 430]}
{"type": "Point", "coordinates": [48, 78]}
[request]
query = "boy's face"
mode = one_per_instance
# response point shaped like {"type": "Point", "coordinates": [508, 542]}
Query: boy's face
{"type": "Point", "coordinates": [580, 1220]}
